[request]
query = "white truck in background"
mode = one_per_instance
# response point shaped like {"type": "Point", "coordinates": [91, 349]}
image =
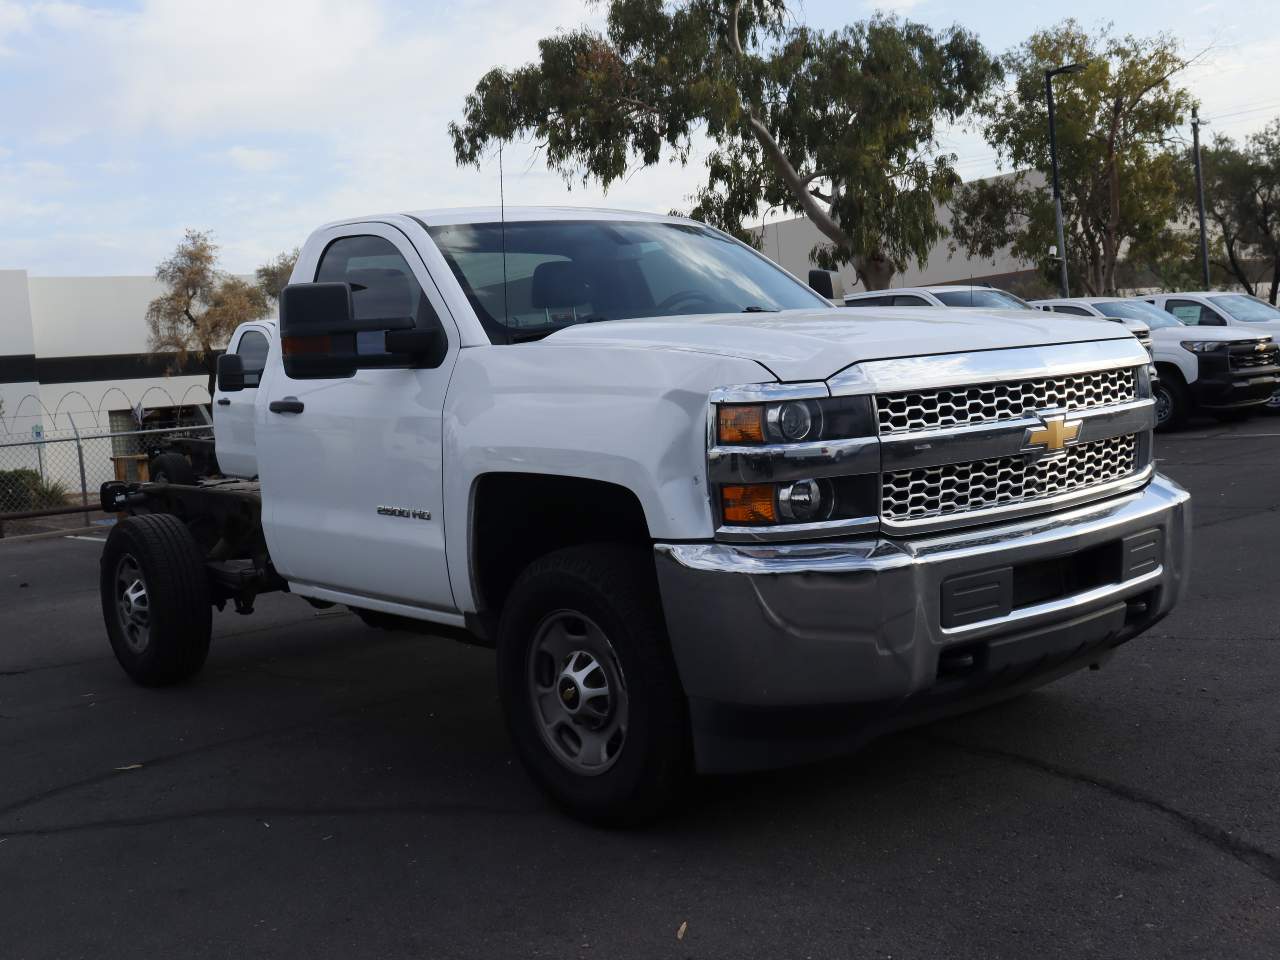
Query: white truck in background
{"type": "Point", "coordinates": [1225, 371]}
{"type": "Point", "coordinates": [709, 522]}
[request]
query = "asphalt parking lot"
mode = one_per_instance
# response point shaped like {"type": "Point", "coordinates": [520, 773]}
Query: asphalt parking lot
{"type": "Point", "coordinates": [325, 790]}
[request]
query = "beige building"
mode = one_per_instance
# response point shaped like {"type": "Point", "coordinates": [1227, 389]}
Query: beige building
{"type": "Point", "coordinates": [789, 242]}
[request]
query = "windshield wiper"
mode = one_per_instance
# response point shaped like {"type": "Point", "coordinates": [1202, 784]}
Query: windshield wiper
{"type": "Point", "coordinates": [754, 308]}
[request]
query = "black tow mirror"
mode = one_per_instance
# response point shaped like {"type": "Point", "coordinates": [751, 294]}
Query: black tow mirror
{"type": "Point", "coordinates": [427, 348]}
{"type": "Point", "coordinates": [827, 284]}
{"type": "Point", "coordinates": [230, 373]}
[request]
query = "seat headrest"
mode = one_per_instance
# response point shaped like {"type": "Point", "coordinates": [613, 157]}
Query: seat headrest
{"type": "Point", "coordinates": [388, 293]}
{"type": "Point", "coordinates": [558, 283]}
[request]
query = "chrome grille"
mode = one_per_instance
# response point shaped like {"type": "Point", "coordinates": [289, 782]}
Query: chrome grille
{"type": "Point", "coordinates": [991, 402]}
{"type": "Point", "coordinates": [981, 484]}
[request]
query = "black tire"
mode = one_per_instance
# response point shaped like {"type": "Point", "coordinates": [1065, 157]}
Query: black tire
{"type": "Point", "coordinates": [377, 620]}
{"type": "Point", "coordinates": [616, 588]}
{"type": "Point", "coordinates": [171, 468]}
{"type": "Point", "coordinates": [174, 595]}
{"type": "Point", "coordinates": [1173, 403]}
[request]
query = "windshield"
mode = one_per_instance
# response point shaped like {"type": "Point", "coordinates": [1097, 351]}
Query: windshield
{"type": "Point", "coordinates": [1246, 308]}
{"type": "Point", "coordinates": [986, 297]}
{"type": "Point", "coordinates": [1148, 313]}
{"type": "Point", "coordinates": [557, 273]}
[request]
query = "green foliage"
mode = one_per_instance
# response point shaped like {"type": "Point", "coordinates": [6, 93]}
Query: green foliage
{"type": "Point", "coordinates": [25, 489]}
{"type": "Point", "coordinates": [1120, 176]}
{"type": "Point", "coordinates": [273, 276]}
{"type": "Point", "coordinates": [1242, 203]}
{"type": "Point", "coordinates": [838, 125]}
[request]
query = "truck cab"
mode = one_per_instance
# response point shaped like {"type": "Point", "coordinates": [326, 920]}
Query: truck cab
{"type": "Point", "coordinates": [709, 521]}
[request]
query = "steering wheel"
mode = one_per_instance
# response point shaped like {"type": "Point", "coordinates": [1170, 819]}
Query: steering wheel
{"type": "Point", "coordinates": [680, 296]}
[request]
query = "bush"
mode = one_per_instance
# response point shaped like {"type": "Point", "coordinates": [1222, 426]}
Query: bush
{"type": "Point", "coordinates": [25, 489]}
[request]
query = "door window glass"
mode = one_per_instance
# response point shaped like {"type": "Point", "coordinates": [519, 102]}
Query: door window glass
{"type": "Point", "coordinates": [906, 300]}
{"type": "Point", "coordinates": [252, 350]}
{"type": "Point", "coordinates": [1074, 311]}
{"type": "Point", "coordinates": [383, 286]}
{"type": "Point", "coordinates": [1193, 314]}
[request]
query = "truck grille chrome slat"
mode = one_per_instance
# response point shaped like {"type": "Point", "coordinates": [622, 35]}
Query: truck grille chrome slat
{"type": "Point", "coordinates": [975, 404]}
{"type": "Point", "coordinates": [957, 488]}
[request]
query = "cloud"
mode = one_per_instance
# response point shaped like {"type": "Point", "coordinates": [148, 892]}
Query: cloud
{"type": "Point", "coordinates": [255, 159]}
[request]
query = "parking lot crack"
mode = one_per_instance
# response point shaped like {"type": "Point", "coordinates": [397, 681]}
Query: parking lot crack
{"type": "Point", "coordinates": [1262, 861]}
{"type": "Point", "coordinates": [269, 813]}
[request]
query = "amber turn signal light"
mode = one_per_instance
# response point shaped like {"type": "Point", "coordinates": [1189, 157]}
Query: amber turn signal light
{"type": "Point", "coordinates": [740, 424]}
{"type": "Point", "coordinates": [748, 503]}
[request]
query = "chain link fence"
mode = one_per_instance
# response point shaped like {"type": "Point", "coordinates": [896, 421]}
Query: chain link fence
{"type": "Point", "coordinates": [62, 473]}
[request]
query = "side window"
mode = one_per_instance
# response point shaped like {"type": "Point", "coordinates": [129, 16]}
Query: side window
{"type": "Point", "coordinates": [1193, 314]}
{"type": "Point", "coordinates": [868, 302]}
{"type": "Point", "coordinates": [382, 285]}
{"type": "Point", "coordinates": [252, 350]}
{"type": "Point", "coordinates": [910, 301]}
{"type": "Point", "coordinates": [1074, 311]}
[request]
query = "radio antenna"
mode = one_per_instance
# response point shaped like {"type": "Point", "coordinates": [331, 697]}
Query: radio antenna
{"type": "Point", "coordinates": [502, 221]}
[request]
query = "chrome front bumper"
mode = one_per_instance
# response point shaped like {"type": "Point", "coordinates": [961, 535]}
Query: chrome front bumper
{"type": "Point", "coordinates": [766, 626]}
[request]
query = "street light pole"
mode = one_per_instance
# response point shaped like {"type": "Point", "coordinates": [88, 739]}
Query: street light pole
{"type": "Point", "coordinates": [1204, 242]}
{"type": "Point", "coordinates": [1053, 159]}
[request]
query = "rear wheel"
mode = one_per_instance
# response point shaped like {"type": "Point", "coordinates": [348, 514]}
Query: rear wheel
{"type": "Point", "coordinates": [171, 468]}
{"type": "Point", "coordinates": [1173, 403]}
{"type": "Point", "coordinates": [155, 599]}
{"type": "Point", "coordinates": [589, 687]}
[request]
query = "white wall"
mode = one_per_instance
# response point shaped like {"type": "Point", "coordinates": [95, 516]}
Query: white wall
{"type": "Point", "coordinates": [15, 336]}
{"type": "Point", "coordinates": [79, 316]}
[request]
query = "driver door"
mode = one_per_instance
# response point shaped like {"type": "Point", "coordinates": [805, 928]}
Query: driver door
{"type": "Point", "coordinates": [351, 467]}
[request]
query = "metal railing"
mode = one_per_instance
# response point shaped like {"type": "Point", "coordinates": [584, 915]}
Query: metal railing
{"type": "Point", "coordinates": [57, 475]}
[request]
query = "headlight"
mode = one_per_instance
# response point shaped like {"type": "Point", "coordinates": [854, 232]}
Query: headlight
{"type": "Point", "coordinates": [794, 421]}
{"type": "Point", "coordinates": [1204, 346]}
{"type": "Point", "coordinates": [794, 460]}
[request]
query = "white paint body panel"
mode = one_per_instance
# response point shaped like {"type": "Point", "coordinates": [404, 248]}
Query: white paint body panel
{"type": "Point", "coordinates": [636, 418]}
{"type": "Point", "coordinates": [366, 441]}
{"type": "Point", "coordinates": [1268, 327]}
{"type": "Point", "coordinates": [235, 414]}
{"type": "Point", "coordinates": [624, 402]}
{"type": "Point", "coordinates": [813, 345]}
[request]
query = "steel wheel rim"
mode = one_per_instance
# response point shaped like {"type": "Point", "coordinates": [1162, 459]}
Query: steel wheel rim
{"type": "Point", "coordinates": [1274, 402]}
{"type": "Point", "coordinates": [133, 605]}
{"type": "Point", "coordinates": [578, 693]}
{"type": "Point", "coordinates": [1164, 406]}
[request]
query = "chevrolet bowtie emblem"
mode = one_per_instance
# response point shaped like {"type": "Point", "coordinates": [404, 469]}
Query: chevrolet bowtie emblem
{"type": "Point", "coordinates": [1056, 434]}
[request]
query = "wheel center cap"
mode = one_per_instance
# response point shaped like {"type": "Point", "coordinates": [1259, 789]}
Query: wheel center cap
{"type": "Point", "coordinates": [570, 695]}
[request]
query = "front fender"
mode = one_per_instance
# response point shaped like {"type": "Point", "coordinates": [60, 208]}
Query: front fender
{"type": "Point", "coordinates": [631, 417]}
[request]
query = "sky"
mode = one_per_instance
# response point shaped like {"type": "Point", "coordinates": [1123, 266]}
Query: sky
{"type": "Point", "coordinates": [124, 123]}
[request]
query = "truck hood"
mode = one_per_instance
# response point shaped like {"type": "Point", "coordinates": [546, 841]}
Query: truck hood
{"type": "Point", "coordinates": [816, 344]}
{"type": "Point", "coordinates": [1179, 334]}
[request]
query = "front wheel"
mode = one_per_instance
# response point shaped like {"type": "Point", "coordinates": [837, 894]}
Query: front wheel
{"type": "Point", "coordinates": [155, 599]}
{"type": "Point", "coordinates": [589, 687]}
{"type": "Point", "coordinates": [1173, 404]}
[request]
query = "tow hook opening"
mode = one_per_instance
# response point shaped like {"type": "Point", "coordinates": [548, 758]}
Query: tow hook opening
{"type": "Point", "coordinates": [961, 661]}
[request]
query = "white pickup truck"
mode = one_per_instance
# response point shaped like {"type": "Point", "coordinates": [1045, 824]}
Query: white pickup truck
{"type": "Point", "coordinates": [709, 522]}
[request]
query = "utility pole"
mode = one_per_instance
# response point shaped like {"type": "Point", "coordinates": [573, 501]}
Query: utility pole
{"type": "Point", "coordinates": [1196, 123]}
{"type": "Point", "coordinates": [1063, 286]}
